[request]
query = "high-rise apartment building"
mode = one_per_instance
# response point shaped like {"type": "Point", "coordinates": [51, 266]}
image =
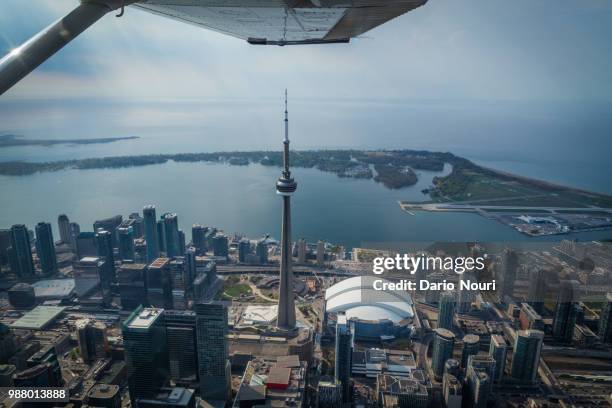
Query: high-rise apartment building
{"type": "Point", "coordinates": [605, 321]}
{"type": "Point", "coordinates": [447, 310]}
{"type": "Point", "coordinates": [566, 311]}
{"type": "Point", "coordinates": [537, 289]}
{"type": "Point", "coordinates": [443, 345]}
{"type": "Point", "coordinates": [498, 349]}
{"type": "Point", "coordinates": [63, 225]}
{"type": "Point", "coordinates": [150, 232]}
{"type": "Point", "coordinates": [45, 248]}
{"type": "Point", "coordinates": [471, 345]}
{"type": "Point", "coordinates": [20, 252]}
{"type": "Point", "coordinates": [509, 268]}
{"type": "Point", "coordinates": [344, 353]}
{"type": "Point", "coordinates": [126, 243]}
{"type": "Point", "coordinates": [526, 357]}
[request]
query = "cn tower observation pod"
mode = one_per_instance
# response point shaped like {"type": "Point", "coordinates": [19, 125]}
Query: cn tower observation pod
{"type": "Point", "coordinates": [260, 22]}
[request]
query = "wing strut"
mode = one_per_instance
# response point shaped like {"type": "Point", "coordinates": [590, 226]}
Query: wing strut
{"type": "Point", "coordinates": [22, 60]}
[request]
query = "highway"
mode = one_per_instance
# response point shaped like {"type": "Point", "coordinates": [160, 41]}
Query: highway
{"type": "Point", "coordinates": [273, 269]}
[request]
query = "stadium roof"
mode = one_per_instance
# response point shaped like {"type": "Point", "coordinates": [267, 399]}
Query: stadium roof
{"type": "Point", "coordinates": [358, 299]}
{"type": "Point", "coordinates": [38, 318]}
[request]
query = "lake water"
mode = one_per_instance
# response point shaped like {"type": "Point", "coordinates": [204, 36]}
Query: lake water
{"type": "Point", "coordinates": [546, 143]}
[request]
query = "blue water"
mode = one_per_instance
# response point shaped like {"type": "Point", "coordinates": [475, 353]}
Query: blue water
{"type": "Point", "coordinates": [556, 143]}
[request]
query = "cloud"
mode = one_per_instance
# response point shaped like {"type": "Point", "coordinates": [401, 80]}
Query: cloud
{"type": "Point", "coordinates": [445, 51]}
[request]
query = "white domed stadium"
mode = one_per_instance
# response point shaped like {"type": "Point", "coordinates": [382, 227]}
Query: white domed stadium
{"type": "Point", "coordinates": [373, 313]}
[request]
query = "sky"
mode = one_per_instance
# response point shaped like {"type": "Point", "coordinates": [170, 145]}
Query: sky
{"type": "Point", "coordinates": [144, 73]}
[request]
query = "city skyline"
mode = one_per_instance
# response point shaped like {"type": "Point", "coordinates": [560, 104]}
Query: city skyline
{"type": "Point", "coordinates": [154, 252]}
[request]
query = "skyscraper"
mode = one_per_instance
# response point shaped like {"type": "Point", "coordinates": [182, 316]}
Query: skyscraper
{"type": "Point", "coordinates": [182, 245]}
{"type": "Point", "coordinates": [198, 238]}
{"type": "Point", "coordinates": [161, 236]}
{"type": "Point", "coordinates": [131, 284]}
{"type": "Point", "coordinates": [526, 357]}
{"type": "Point", "coordinates": [63, 224]}
{"type": "Point", "coordinates": [178, 275]}
{"type": "Point", "coordinates": [443, 344]}
{"type": "Point", "coordinates": [5, 243]}
{"type": "Point", "coordinates": [286, 186]}
{"type": "Point", "coordinates": [109, 224]}
{"type": "Point", "coordinates": [605, 320]}
{"type": "Point", "coordinates": [137, 222]}
{"type": "Point", "coordinates": [509, 268]}
{"type": "Point", "coordinates": [104, 244]}
{"type": "Point", "coordinates": [190, 269]}
{"type": "Point", "coordinates": [537, 289]}
{"type": "Point", "coordinates": [182, 350]}
{"type": "Point", "coordinates": [20, 252]}
{"type": "Point", "coordinates": [261, 250]}
{"type": "Point", "coordinates": [447, 310]}
{"type": "Point", "coordinates": [86, 244]}
{"type": "Point", "coordinates": [146, 352]}
{"type": "Point", "coordinates": [471, 345]}
{"type": "Point", "coordinates": [171, 234]}
{"type": "Point", "coordinates": [126, 243]}
{"type": "Point", "coordinates": [301, 251]}
{"type": "Point", "coordinates": [451, 367]}
{"type": "Point", "coordinates": [220, 245]}
{"type": "Point", "coordinates": [479, 375]}
{"type": "Point", "coordinates": [498, 350]}
{"type": "Point", "coordinates": [344, 353]}
{"type": "Point", "coordinates": [465, 297]}
{"type": "Point", "coordinates": [45, 248]}
{"type": "Point", "coordinates": [150, 231]}
{"type": "Point", "coordinates": [320, 253]}
{"type": "Point", "coordinates": [452, 391]}
{"type": "Point", "coordinates": [91, 336]}
{"type": "Point", "coordinates": [213, 351]}
{"type": "Point", "coordinates": [88, 273]}
{"type": "Point", "coordinates": [244, 249]}
{"type": "Point", "coordinates": [159, 284]}
{"type": "Point", "coordinates": [75, 230]}
{"type": "Point", "coordinates": [566, 311]}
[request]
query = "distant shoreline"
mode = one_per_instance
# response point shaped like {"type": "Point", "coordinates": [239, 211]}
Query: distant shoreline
{"type": "Point", "coordinates": [15, 140]}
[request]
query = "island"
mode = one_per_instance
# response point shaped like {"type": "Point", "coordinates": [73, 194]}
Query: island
{"type": "Point", "coordinates": [15, 140]}
{"type": "Point", "coordinates": [394, 169]}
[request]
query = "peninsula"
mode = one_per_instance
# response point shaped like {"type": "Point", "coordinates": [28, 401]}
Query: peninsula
{"type": "Point", "coordinates": [15, 140]}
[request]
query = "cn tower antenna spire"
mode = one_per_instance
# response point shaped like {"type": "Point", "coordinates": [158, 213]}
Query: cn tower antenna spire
{"type": "Point", "coordinates": [286, 119]}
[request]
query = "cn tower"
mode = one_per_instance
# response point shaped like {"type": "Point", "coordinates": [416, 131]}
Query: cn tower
{"type": "Point", "coordinates": [285, 186]}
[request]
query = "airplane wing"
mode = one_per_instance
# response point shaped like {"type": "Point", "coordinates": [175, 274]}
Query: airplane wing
{"type": "Point", "coordinates": [284, 22]}
{"type": "Point", "coordinates": [279, 22]}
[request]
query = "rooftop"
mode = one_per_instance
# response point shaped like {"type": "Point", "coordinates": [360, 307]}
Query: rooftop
{"type": "Point", "coordinates": [54, 288]}
{"type": "Point", "coordinates": [38, 318]}
{"type": "Point", "coordinates": [159, 263]}
{"type": "Point", "coordinates": [103, 391]}
{"type": "Point", "coordinates": [447, 334]}
{"type": "Point", "coordinates": [144, 319]}
{"type": "Point", "coordinates": [273, 380]}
